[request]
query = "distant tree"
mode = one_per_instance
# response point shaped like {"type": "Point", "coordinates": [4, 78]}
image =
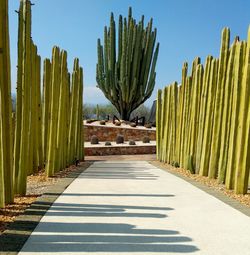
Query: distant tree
{"type": "Point", "coordinates": [89, 111]}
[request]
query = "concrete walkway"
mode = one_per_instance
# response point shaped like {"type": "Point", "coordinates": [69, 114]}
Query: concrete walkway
{"type": "Point", "coordinates": [132, 207]}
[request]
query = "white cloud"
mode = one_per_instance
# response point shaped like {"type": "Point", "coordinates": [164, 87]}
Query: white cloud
{"type": "Point", "coordinates": [93, 95]}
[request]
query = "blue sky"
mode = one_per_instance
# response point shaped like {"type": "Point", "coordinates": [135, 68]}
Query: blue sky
{"type": "Point", "coordinates": [186, 29]}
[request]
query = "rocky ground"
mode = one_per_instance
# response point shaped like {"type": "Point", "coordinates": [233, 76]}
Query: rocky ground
{"type": "Point", "coordinates": [213, 183]}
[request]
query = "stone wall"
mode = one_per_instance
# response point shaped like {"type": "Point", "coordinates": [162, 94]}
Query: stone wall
{"type": "Point", "coordinates": [123, 150]}
{"type": "Point", "coordinates": [108, 133]}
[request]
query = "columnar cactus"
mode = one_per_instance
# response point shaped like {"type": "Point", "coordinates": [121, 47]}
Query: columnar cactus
{"type": "Point", "coordinates": [164, 123]}
{"type": "Point", "coordinates": [6, 173]}
{"type": "Point", "coordinates": [226, 116]}
{"type": "Point", "coordinates": [158, 124]}
{"type": "Point", "coordinates": [203, 111]}
{"type": "Point", "coordinates": [219, 103]}
{"type": "Point", "coordinates": [24, 86]}
{"type": "Point", "coordinates": [203, 125]}
{"type": "Point", "coordinates": [80, 140]}
{"type": "Point", "coordinates": [234, 139]}
{"type": "Point", "coordinates": [182, 112]}
{"type": "Point", "coordinates": [39, 112]}
{"type": "Point", "coordinates": [19, 92]}
{"type": "Point", "coordinates": [242, 171]}
{"type": "Point", "coordinates": [194, 117]}
{"type": "Point", "coordinates": [46, 103]}
{"type": "Point", "coordinates": [207, 123]}
{"type": "Point", "coordinates": [51, 154]}
{"type": "Point", "coordinates": [128, 79]}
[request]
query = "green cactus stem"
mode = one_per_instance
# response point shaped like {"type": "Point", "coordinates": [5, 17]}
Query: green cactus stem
{"type": "Point", "coordinates": [219, 103]}
{"type": "Point", "coordinates": [128, 80]}
{"type": "Point", "coordinates": [24, 161]}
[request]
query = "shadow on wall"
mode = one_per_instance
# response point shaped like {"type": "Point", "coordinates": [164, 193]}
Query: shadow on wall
{"type": "Point", "coordinates": [98, 237]}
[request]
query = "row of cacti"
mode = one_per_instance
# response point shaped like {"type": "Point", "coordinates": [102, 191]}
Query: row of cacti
{"type": "Point", "coordinates": [63, 129]}
{"type": "Point", "coordinates": [46, 129]}
{"type": "Point", "coordinates": [203, 124]}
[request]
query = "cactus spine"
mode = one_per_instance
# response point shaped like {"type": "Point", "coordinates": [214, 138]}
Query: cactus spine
{"type": "Point", "coordinates": [128, 80]}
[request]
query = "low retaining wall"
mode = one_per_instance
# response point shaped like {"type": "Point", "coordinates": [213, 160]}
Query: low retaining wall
{"type": "Point", "coordinates": [109, 133]}
{"type": "Point", "coordinates": [123, 149]}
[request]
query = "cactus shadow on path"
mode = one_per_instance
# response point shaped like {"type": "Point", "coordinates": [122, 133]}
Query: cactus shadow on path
{"type": "Point", "coordinates": [112, 215]}
{"type": "Point", "coordinates": [103, 237]}
{"type": "Point", "coordinates": [124, 172]}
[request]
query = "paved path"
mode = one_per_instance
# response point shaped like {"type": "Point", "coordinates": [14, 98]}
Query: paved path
{"type": "Point", "coordinates": [135, 208]}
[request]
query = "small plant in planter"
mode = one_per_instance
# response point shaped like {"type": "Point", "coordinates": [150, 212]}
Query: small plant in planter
{"type": "Point", "coordinates": [119, 139]}
{"type": "Point", "coordinates": [132, 142]}
{"type": "Point", "coordinates": [107, 143]}
{"type": "Point", "coordinates": [102, 122]}
{"type": "Point", "coordinates": [94, 139]}
{"type": "Point", "coordinates": [132, 124]}
{"type": "Point", "coordinates": [148, 125]}
{"type": "Point", "coordinates": [118, 123]}
{"type": "Point", "coordinates": [146, 139]}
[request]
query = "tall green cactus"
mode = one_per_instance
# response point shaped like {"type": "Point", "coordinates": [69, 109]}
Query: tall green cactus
{"type": "Point", "coordinates": [158, 124]}
{"type": "Point", "coordinates": [243, 156]}
{"type": "Point", "coordinates": [194, 117]}
{"type": "Point", "coordinates": [46, 103]}
{"type": "Point", "coordinates": [6, 173]}
{"type": "Point", "coordinates": [19, 93]}
{"type": "Point", "coordinates": [79, 141]}
{"type": "Point", "coordinates": [226, 117]}
{"type": "Point", "coordinates": [39, 112]}
{"type": "Point", "coordinates": [24, 162]}
{"type": "Point", "coordinates": [203, 110]}
{"type": "Point", "coordinates": [62, 111]}
{"type": "Point", "coordinates": [234, 139]}
{"type": "Point", "coordinates": [207, 123]}
{"type": "Point", "coordinates": [127, 80]}
{"type": "Point", "coordinates": [219, 104]}
{"type": "Point", "coordinates": [50, 165]}
{"type": "Point", "coordinates": [182, 113]}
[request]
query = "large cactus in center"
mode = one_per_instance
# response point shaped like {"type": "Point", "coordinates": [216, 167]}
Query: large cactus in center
{"type": "Point", "coordinates": [127, 80]}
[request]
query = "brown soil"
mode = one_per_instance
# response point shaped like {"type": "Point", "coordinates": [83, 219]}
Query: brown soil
{"type": "Point", "coordinates": [213, 183]}
{"type": "Point", "coordinates": [37, 184]}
